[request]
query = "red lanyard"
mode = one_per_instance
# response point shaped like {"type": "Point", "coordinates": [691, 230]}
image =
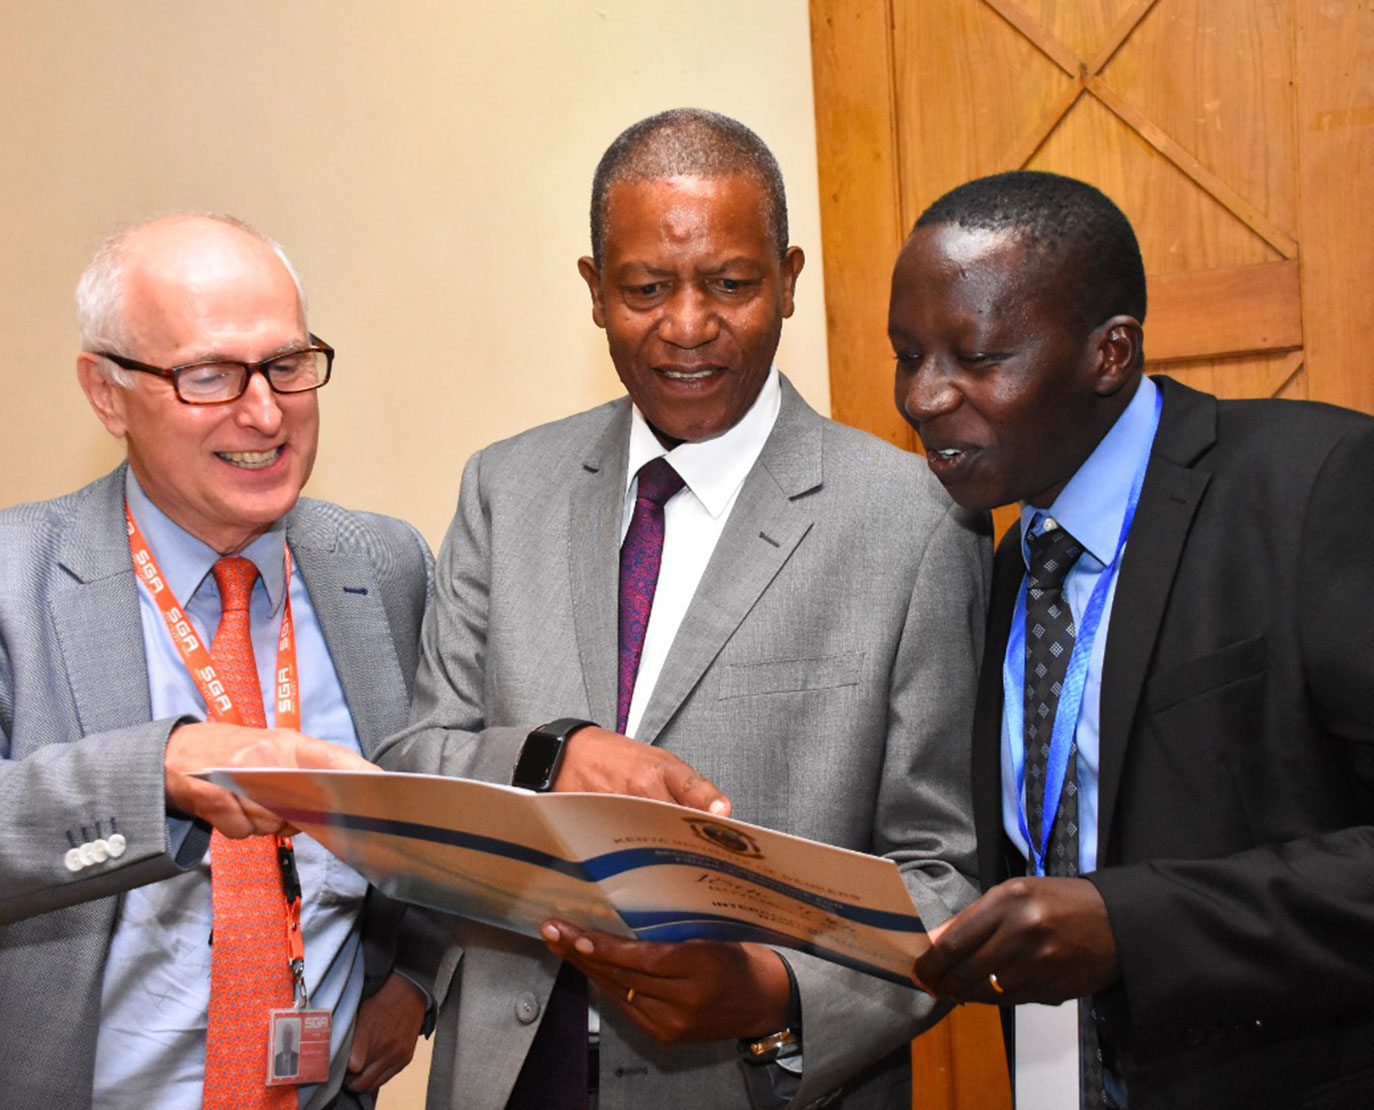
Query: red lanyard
{"type": "Point", "coordinates": [196, 655]}
{"type": "Point", "coordinates": [220, 707]}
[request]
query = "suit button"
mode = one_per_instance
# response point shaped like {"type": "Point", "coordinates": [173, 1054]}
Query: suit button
{"type": "Point", "coordinates": [526, 1008]}
{"type": "Point", "coordinates": [73, 860]}
{"type": "Point", "coordinates": [116, 844]}
{"type": "Point", "coordinates": [87, 854]}
{"type": "Point", "coordinates": [100, 851]}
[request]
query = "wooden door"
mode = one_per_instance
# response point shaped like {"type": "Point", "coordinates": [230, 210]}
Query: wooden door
{"type": "Point", "coordinates": [1238, 137]}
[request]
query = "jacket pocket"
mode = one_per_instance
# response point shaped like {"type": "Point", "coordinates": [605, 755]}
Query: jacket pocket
{"type": "Point", "coordinates": [1199, 676]}
{"type": "Point", "coordinates": [785, 676]}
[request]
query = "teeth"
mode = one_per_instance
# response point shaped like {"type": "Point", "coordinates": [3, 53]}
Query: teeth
{"type": "Point", "coordinates": [251, 460]}
{"type": "Point", "coordinates": [694, 376]}
{"type": "Point", "coordinates": [948, 452]}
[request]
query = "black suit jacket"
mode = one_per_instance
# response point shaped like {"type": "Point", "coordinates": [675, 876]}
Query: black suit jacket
{"type": "Point", "coordinates": [1236, 857]}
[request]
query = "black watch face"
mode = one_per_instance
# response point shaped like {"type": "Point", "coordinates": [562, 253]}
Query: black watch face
{"type": "Point", "coordinates": [538, 762]}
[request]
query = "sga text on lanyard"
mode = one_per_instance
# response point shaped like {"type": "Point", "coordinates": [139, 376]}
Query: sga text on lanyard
{"type": "Point", "coordinates": [1071, 692]}
{"type": "Point", "coordinates": [220, 706]}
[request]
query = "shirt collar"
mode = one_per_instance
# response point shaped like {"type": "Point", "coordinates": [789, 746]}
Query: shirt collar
{"type": "Point", "coordinates": [185, 560]}
{"type": "Point", "coordinates": [1093, 504]}
{"type": "Point", "coordinates": [715, 468]}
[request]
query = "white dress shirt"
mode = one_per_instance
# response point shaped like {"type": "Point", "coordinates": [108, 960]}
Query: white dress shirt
{"type": "Point", "coordinates": [693, 519]}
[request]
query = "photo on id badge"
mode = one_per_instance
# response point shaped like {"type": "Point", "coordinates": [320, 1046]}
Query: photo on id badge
{"type": "Point", "coordinates": [298, 1048]}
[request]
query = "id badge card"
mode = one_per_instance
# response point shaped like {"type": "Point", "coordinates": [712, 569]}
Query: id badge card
{"type": "Point", "coordinates": [298, 1047]}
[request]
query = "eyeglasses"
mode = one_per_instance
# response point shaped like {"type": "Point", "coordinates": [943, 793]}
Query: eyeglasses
{"type": "Point", "coordinates": [222, 381]}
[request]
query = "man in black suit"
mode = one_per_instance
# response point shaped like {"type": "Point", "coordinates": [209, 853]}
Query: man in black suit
{"type": "Point", "coordinates": [1206, 878]}
{"type": "Point", "coordinates": [287, 1061]}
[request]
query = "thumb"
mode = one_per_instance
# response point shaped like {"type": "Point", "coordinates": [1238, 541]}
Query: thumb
{"type": "Point", "coordinates": [357, 1054]}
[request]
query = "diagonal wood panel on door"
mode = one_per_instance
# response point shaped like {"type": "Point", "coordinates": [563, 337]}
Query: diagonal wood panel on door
{"type": "Point", "coordinates": [1237, 135]}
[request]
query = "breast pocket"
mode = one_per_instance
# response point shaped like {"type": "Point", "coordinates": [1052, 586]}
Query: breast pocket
{"type": "Point", "coordinates": [1200, 721]}
{"type": "Point", "coordinates": [788, 676]}
{"type": "Point", "coordinates": [1186, 681]}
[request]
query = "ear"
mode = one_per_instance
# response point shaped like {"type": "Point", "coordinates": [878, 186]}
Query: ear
{"type": "Point", "coordinates": [105, 397]}
{"type": "Point", "coordinates": [586, 266]}
{"type": "Point", "coordinates": [792, 262]}
{"type": "Point", "coordinates": [1120, 346]}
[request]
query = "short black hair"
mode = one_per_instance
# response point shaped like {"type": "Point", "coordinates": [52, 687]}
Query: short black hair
{"type": "Point", "coordinates": [688, 142]}
{"type": "Point", "coordinates": [1074, 225]}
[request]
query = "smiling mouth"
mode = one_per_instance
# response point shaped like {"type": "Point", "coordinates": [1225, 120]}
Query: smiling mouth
{"type": "Point", "coordinates": [946, 454]}
{"type": "Point", "coordinates": [250, 460]}
{"type": "Point", "coordinates": [689, 375]}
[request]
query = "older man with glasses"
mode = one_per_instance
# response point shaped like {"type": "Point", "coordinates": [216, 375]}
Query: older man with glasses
{"type": "Point", "coordinates": [152, 624]}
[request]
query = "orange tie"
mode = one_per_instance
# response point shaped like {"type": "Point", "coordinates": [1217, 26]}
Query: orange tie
{"type": "Point", "coordinates": [249, 973]}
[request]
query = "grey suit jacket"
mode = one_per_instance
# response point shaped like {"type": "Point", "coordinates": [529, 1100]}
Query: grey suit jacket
{"type": "Point", "coordinates": [82, 759]}
{"type": "Point", "coordinates": [823, 677]}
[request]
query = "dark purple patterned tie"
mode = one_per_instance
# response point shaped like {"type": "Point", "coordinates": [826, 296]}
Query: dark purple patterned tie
{"type": "Point", "coordinates": [640, 556]}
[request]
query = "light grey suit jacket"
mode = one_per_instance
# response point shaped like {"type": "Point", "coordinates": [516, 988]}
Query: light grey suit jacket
{"type": "Point", "coordinates": [823, 677]}
{"type": "Point", "coordinates": [82, 759]}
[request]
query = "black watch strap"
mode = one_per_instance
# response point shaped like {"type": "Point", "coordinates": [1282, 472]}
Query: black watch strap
{"type": "Point", "coordinates": [541, 755]}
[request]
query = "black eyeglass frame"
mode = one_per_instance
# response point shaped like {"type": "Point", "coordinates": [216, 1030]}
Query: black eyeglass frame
{"type": "Point", "coordinates": [173, 374]}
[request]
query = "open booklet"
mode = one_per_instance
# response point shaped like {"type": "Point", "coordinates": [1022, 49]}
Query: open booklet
{"type": "Point", "coordinates": [623, 865]}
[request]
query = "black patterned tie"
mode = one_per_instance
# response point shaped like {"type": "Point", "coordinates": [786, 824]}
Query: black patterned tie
{"type": "Point", "coordinates": [1049, 644]}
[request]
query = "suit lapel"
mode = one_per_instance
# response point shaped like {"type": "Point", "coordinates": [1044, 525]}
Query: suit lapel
{"type": "Point", "coordinates": [1168, 502]}
{"type": "Point", "coordinates": [348, 605]}
{"type": "Point", "coordinates": [765, 527]}
{"type": "Point", "coordinates": [96, 616]}
{"type": "Point", "coordinates": [595, 512]}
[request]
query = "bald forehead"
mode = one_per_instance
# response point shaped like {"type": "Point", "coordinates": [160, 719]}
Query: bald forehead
{"type": "Point", "coordinates": [197, 288]}
{"type": "Point", "coordinates": [196, 258]}
{"type": "Point", "coordinates": [191, 248]}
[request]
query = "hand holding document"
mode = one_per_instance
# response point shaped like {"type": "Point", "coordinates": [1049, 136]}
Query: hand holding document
{"type": "Point", "coordinates": [627, 866]}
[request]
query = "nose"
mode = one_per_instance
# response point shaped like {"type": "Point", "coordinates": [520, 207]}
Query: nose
{"type": "Point", "coordinates": [259, 408]}
{"type": "Point", "coordinates": [924, 393]}
{"type": "Point", "coordinates": [689, 319]}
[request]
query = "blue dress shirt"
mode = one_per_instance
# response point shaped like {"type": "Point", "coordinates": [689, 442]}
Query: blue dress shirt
{"type": "Point", "coordinates": [1092, 507]}
{"type": "Point", "coordinates": [156, 991]}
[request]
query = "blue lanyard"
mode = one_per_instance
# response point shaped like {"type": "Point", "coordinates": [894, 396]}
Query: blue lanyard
{"type": "Point", "coordinates": [1071, 692]}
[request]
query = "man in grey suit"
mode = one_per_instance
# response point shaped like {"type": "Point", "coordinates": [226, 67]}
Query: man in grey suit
{"type": "Point", "coordinates": [810, 653]}
{"type": "Point", "coordinates": [105, 889]}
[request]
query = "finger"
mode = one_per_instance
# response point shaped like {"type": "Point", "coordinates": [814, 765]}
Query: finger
{"type": "Point", "coordinates": [374, 1075]}
{"type": "Point", "coordinates": [293, 750]}
{"type": "Point", "coordinates": [320, 755]}
{"type": "Point", "coordinates": [232, 814]}
{"type": "Point", "coordinates": [614, 963]}
{"type": "Point", "coordinates": [568, 941]}
{"type": "Point", "coordinates": [687, 788]}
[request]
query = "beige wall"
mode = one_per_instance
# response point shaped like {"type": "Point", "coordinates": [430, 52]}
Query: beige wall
{"type": "Point", "coordinates": [427, 166]}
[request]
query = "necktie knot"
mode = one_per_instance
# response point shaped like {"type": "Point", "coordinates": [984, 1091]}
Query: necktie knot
{"type": "Point", "coordinates": [658, 481]}
{"type": "Point", "coordinates": [234, 575]}
{"type": "Point", "coordinates": [1053, 553]}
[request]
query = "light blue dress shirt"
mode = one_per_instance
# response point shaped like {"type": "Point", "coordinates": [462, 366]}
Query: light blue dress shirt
{"type": "Point", "coordinates": [1092, 507]}
{"type": "Point", "coordinates": [156, 989]}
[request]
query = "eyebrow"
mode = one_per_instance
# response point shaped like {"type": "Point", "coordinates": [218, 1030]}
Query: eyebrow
{"type": "Point", "coordinates": [289, 347]}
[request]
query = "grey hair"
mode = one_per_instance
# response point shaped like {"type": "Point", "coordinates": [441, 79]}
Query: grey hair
{"type": "Point", "coordinates": [100, 291]}
{"type": "Point", "coordinates": [688, 142]}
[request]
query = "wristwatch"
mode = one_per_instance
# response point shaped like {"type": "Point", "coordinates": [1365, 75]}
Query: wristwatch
{"type": "Point", "coordinates": [784, 1043]}
{"type": "Point", "coordinates": [541, 754]}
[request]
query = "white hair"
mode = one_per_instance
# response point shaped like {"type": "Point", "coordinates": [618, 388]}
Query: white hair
{"type": "Point", "coordinates": [100, 292]}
